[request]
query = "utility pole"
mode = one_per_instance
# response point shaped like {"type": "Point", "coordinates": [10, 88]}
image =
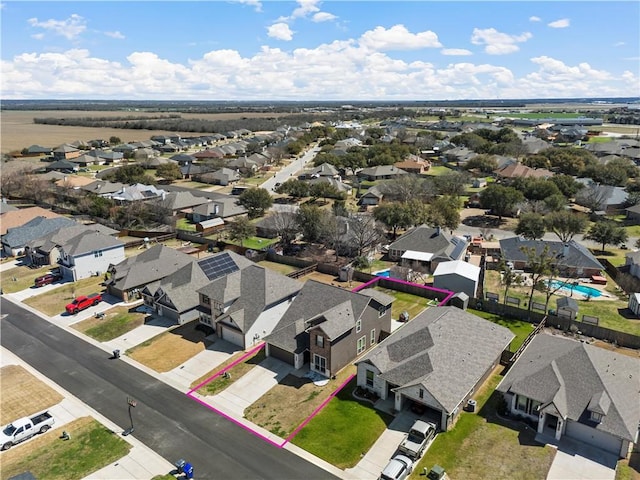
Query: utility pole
{"type": "Point", "coordinates": [132, 404]}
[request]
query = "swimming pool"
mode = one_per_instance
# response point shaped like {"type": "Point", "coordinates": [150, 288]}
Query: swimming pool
{"type": "Point", "coordinates": [584, 290]}
{"type": "Point", "coordinates": [383, 273]}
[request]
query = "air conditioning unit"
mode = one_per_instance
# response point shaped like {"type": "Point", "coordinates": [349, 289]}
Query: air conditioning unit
{"type": "Point", "coordinates": [471, 405]}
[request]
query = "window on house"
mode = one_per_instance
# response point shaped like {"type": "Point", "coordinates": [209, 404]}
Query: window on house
{"type": "Point", "coordinates": [320, 341]}
{"type": "Point", "coordinates": [370, 378]}
{"type": "Point", "coordinates": [358, 326]}
{"type": "Point", "coordinates": [362, 344]}
{"type": "Point", "coordinates": [596, 417]}
{"type": "Point", "coordinates": [319, 364]}
{"type": "Point", "coordinates": [381, 311]}
{"type": "Point", "coordinates": [206, 319]}
{"type": "Point", "coordinates": [521, 403]}
{"type": "Point", "coordinates": [206, 300]}
{"type": "Point", "coordinates": [97, 253]}
{"type": "Point", "coordinates": [373, 336]}
{"type": "Point", "coordinates": [421, 393]}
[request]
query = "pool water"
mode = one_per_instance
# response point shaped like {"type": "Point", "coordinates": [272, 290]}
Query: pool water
{"type": "Point", "coordinates": [383, 273]}
{"type": "Point", "coordinates": [584, 290]}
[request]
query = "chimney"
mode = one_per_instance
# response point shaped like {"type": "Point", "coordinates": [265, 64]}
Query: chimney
{"type": "Point", "coordinates": [565, 250]}
{"type": "Point", "coordinates": [438, 230]}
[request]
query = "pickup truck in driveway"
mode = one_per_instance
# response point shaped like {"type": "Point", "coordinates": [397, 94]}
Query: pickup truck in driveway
{"type": "Point", "coordinates": [418, 438]}
{"type": "Point", "coordinates": [81, 303]}
{"type": "Point", "coordinates": [25, 428]}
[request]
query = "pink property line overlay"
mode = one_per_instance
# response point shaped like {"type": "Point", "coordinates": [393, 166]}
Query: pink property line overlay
{"type": "Point", "coordinates": [448, 293]}
{"type": "Point", "coordinates": [255, 432]}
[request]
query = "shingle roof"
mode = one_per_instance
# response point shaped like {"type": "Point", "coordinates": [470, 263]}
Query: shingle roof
{"type": "Point", "coordinates": [61, 236]}
{"type": "Point", "coordinates": [87, 242]}
{"type": "Point", "coordinates": [317, 301]}
{"type": "Point", "coordinates": [445, 350]}
{"type": "Point", "coordinates": [36, 228]}
{"type": "Point", "coordinates": [181, 286]}
{"type": "Point", "coordinates": [576, 376]}
{"type": "Point", "coordinates": [250, 291]}
{"type": "Point", "coordinates": [431, 240]}
{"type": "Point", "coordinates": [18, 217]}
{"type": "Point", "coordinates": [577, 256]}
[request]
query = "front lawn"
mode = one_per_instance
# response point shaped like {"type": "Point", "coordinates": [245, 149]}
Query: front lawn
{"type": "Point", "coordinates": [19, 278]}
{"type": "Point", "coordinates": [91, 447]}
{"type": "Point", "coordinates": [53, 302]}
{"type": "Point", "coordinates": [482, 446]}
{"type": "Point", "coordinates": [117, 321]}
{"type": "Point", "coordinates": [170, 349]}
{"type": "Point", "coordinates": [519, 328]}
{"type": "Point", "coordinates": [344, 430]}
{"type": "Point", "coordinates": [236, 372]}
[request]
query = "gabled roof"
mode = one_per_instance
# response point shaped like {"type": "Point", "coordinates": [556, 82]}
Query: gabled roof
{"type": "Point", "coordinates": [36, 228]}
{"type": "Point", "coordinates": [325, 169]}
{"type": "Point", "coordinates": [179, 200]}
{"type": "Point", "coordinates": [444, 350]}
{"type": "Point", "coordinates": [314, 301]}
{"type": "Point", "coordinates": [149, 266]}
{"type": "Point", "coordinates": [382, 171]}
{"type": "Point", "coordinates": [250, 291]}
{"type": "Point", "coordinates": [101, 187]}
{"type": "Point", "coordinates": [431, 240]}
{"type": "Point", "coordinates": [181, 286]}
{"type": "Point", "coordinates": [458, 267]}
{"type": "Point", "coordinates": [576, 255]}
{"type": "Point", "coordinates": [577, 377]}
{"type": "Point", "coordinates": [61, 236]}
{"type": "Point", "coordinates": [19, 217]}
{"type": "Point", "coordinates": [88, 242]}
{"type": "Point", "coordinates": [517, 170]}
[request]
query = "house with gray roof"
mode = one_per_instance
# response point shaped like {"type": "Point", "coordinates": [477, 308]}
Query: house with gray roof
{"type": "Point", "coordinates": [62, 165]}
{"type": "Point", "coordinates": [89, 254]}
{"type": "Point", "coordinates": [632, 263]}
{"type": "Point", "coordinates": [130, 276]}
{"type": "Point", "coordinates": [245, 305]}
{"type": "Point", "coordinates": [224, 176]}
{"type": "Point", "coordinates": [633, 213]}
{"type": "Point", "coordinates": [17, 238]}
{"type": "Point", "coordinates": [329, 327]}
{"type": "Point", "coordinates": [437, 360]}
{"type": "Point", "coordinates": [177, 201]}
{"type": "Point", "coordinates": [427, 246]}
{"type": "Point", "coordinates": [380, 172]}
{"type": "Point", "coordinates": [572, 259]}
{"type": "Point", "coordinates": [103, 188]}
{"type": "Point", "coordinates": [577, 390]}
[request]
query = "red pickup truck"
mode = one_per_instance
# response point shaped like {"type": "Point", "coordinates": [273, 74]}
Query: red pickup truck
{"type": "Point", "coordinates": [80, 303]}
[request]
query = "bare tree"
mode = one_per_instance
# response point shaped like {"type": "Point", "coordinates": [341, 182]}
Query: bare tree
{"type": "Point", "coordinates": [286, 226]}
{"type": "Point", "coordinates": [593, 196]}
{"type": "Point", "coordinates": [366, 232]}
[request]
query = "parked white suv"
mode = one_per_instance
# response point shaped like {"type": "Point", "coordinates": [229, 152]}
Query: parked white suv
{"type": "Point", "coordinates": [398, 468]}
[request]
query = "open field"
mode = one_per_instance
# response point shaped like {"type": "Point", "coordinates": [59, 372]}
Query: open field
{"type": "Point", "coordinates": [170, 349]}
{"type": "Point", "coordinates": [91, 447]}
{"type": "Point", "coordinates": [32, 395]}
{"type": "Point", "coordinates": [19, 131]}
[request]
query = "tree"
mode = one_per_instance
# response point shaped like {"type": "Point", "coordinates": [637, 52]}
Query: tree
{"type": "Point", "coordinates": [169, 171]}
{"type": "Point", "coordinates": [115, 140]}
{"type": "Point", "coordinates": [129, 174]}
{"type": "Point", "coordinates": [444, 212]}
{"type": "Point", "coordinates": [566, 224]}
{"type": "Point", "coordinates": [311, 221]}
{"type": "Point", "coordinates": [286, 226]}
{"type": "Point", "coordinates": [509, 278]}
{"type": "Point", "coordinates": [593, 197]}
{"type": "Point", "coordinates": [555, 203]}
{"type": "Point", "coordinates": [540, 264]}
{"type": "Point", "coordinates": [607, 233]}
{"type": "Point", "coordinates": [241, 229]}
{"type": "Point", "coordinates": [567, 185]}
{"type": "Point", "coordinates": [500, 199]}
{"type": "Point", "coordinates": [294, 188]}
{"type": "Point", "coordinates": [484, 163]}
{"type": "Point", "coordinates": [324, 190]}
{"type": "Point", "coordinates": [256, 200]}
{"type": "Point", "coordinates": [452, 183]}
{"type": "Point", "coordinates": [531, 226]}
{"type": "Point", "coordinates": [366, 232]}
{"type": "Point", "coordinates": [406, 187]}
{"type": "Point", "coordinates": [393, 215]}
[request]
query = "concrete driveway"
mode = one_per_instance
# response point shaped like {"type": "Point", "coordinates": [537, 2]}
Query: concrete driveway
{"type": "Point", "coordinates": [262, 378]}
{"type": "Point", "coordinates": [579, 461]}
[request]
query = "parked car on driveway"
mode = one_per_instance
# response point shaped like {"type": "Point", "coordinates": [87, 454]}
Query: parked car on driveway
{"type": "Point", "coordinates": [399, 468]}
{"type": "Point", "coordinates": [24, 428]}
{"type": "Point", "coordinates": [82, 303]}
{"type": "Point", "coordinates": [47, 279]}
{"type": "Point", "coordinates": [418, 438]}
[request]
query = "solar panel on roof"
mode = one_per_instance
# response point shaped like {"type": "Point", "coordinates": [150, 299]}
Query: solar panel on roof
{"type": "Point", "coordinates": [218, 266]}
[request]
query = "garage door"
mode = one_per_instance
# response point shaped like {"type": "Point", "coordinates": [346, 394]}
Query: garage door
{"type": "Point", "coordinates": [280, 354]}
{"type": "Point", "coordinates": [594, 437]}
{"type": "Point", "coordinates": [233, 336]}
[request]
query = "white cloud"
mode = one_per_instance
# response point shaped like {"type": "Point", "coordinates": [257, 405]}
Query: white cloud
{"type": "Point", "coordinates": [323, 17]}
{"type": "Point", "coordinates": [562, 23]}
{"type": "Point", "coordinates": [533, 18]}
{"type": "Point", "coordinates": [280, 31]}
{"type": "Point", "coordinates": [38, 36]}
{"type": "Point", "coordinates": [455, 51]}
{"type": "Point", "coordinates": [70, 28]}
{"type": "Point", "coordinates": [257, 4]}
{"type": "Point", "coordinates": [398, 38]}
{"type": "Point", "coordinates": [619, 44]}
{"type": "Point", "coordinates": [116, 34]}
{"type": "Point", "coordinates": [498, 43]}
{"type": "Point", "coordinates": [306, 8]}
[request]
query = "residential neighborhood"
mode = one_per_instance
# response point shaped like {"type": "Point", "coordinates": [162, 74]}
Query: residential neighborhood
{"type": "Point", "coordinates": [316, 289]}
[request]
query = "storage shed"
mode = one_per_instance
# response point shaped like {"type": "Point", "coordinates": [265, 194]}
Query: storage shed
{"type": "Point", "coordinates": [457, 276]}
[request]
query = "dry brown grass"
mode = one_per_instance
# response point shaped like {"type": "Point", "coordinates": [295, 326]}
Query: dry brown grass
{"type": "Point", "coordinates": [53, 302]}
{"type": "Point", "coordinates": [19, 131]}
{"type": "Point", "coordinates": [23, 394]}
{"type": "Point", "coordinates": [330, 280]}
{"type": "Point", "coordinates": [170, 349]}
{"type": "Point", "coordinates": [289, 403]}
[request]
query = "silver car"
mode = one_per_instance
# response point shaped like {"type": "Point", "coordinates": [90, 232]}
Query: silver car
{"type": "Point", "coordinates": [398, 468]}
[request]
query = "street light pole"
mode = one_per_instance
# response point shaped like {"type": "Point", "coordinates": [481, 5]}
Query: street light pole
{"type": "Point", "coordinates": [132, 403]}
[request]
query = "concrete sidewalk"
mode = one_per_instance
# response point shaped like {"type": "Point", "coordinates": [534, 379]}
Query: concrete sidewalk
{"type": "Point", "coordinates": [140, 463]}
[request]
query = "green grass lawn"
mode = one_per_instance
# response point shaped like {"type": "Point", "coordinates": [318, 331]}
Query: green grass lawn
{"type": "Point", "coordinates": [438, 170]}
{"type": "Point", "coordinates": [344, 430]}
{"type": "Point", "coordinates": [599, 139]}
{"type": "Point", "coordinates": [519, 328]}
{"type": "Point", "coordinates": [91, 447]}
{"type": "Point", "coordinates": [256, 243]}
{"type": "Point", "coordinates": [413, 304]}
{"type": "Point", "coordinates": [117, 321]}
{"type": "Point", "coordinates": [184, 224]}
{"type": "Point", "coordinates": [481, 446]}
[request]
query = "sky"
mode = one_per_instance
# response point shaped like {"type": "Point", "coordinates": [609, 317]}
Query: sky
{"type": "Point", "coordinates": [248, 50]}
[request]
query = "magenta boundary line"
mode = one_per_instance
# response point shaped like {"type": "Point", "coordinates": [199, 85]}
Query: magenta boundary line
{"type": "Point", "coordinates": [222, 370]}
{"type": "Point", "coordinates": [317, 410]}
{"type": "Point", "coordinates": [376, 279]}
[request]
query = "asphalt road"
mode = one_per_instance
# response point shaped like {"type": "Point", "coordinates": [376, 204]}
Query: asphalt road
{"type": "Point", "coordinates": [165, 419]}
